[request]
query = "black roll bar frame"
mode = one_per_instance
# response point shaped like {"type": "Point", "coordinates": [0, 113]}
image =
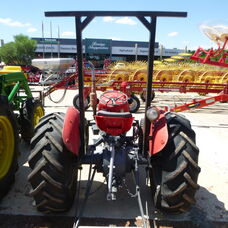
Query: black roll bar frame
{"type": "Point", "coordinates": [82, 19]}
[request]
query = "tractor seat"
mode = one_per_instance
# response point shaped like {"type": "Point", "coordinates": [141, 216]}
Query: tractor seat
{"type": "Point", "coordinates": [114, 114]}
{"type": "Point", "coordinates": [114, 123]}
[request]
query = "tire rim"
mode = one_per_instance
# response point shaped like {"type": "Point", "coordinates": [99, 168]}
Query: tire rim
{"type": "Point", "coordinates": [6, 145]}
{"type": "Point", "coordinates": [86, 103]}
{"type": "Point", "coordinates": [133, 105]}
{"type": "Point", "coordinates": [38, 113]}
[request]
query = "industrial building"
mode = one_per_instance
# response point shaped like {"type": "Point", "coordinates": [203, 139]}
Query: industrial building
{"type": "Point", "coordinates": [99, 49]}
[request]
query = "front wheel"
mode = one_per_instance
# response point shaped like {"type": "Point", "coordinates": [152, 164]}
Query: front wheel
{"type": "Point", "coordinates": [143, 96]}
{"type": "Point", "coordinates": [54, 168]}
{"type": "Point", "coordinates": [76, 102]}
{"type": "Point", "coordinates": [8, 146]}
{"type": "Point", "coordinates": [175, 169]}
{"type": "Point", "coordinates": [135, 104]}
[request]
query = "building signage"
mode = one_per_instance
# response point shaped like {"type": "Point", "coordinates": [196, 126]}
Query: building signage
{"type": "Point", "coordinates": [56, 48]}
{"type": "Point", "coordinates": [171, 52]}
{"type": "Point", "coordinates": [98, 46]}
{"type": "Point", "coordinates": [143, 51]}
{"type": "Point", "coordinates": [131, 51]}
{"type": "Point", "coordinates": [103, 46]}
{"type": "Point", "coordinates": [49, 41]}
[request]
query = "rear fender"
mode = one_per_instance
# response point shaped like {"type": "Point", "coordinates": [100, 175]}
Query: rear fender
{"type": "Point", "coordinates": [158, 136]}
{"type": "Point", "coordinates": [71, 130]}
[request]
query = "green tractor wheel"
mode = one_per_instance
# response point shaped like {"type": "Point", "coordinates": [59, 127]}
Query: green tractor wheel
{"type": "Point", "coordinates": [31, 113]}
{"type": "Point", "coordinates": [8, 146]}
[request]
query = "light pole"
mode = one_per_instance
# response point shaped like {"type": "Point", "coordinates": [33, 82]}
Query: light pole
{"type": "Point", "coordinates": [161, 51]}
{"type": "Point", "coordinates": [58, 43]}
{"type": "Point", "coordinates": [43, 38]}
{"type": "Point", "coordinates": [136, 52]}
{"type": "Point", "coordinates": [51, 38]}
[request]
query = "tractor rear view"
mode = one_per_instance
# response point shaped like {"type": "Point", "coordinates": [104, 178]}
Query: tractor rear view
{"type": "Point", "coordinates": [162, 141]}
{"type": "Point", "coordinates": [171, 162]}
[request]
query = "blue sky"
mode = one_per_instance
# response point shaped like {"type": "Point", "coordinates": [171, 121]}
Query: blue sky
{"type": "Point", "coordinates": [26, 17]}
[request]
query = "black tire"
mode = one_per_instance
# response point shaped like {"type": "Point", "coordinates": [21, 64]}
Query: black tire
{"type": "Point", "coordinates": [135, 104]}
{"type": "Point", "coordinates": [54, 168]}
{"type": "Point", "coordinates": [9, 144]}
{"type": "Point", "coordinates": [143, 96]}
{"type": "Point", "coordinates": [30, 115]}
{"type": "Point", "coordinates": [141, 133]}
{"type": "Point", "coordinates": [76, 102]}
{"type": "Point", "coordinates": [175, 169]}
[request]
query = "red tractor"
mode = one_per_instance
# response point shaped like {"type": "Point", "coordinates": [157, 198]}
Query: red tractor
{"type": "Point", "coordinates": [163, 141]}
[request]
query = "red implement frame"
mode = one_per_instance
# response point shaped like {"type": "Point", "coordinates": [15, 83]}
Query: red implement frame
{"type": "Point", "coordinates": [181, 87]}
{"type": "Point", "coordinates": [196, 104]}
{"type": "Point", "coordinates": [220, 52]}
{"type": "Point", "coordinates": [140, 86]}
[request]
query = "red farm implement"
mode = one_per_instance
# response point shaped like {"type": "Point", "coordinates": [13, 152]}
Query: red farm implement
{"type": "Point", "coordinates": [219, 34]}
{"type": "Point", "coordinates": [132, 88]}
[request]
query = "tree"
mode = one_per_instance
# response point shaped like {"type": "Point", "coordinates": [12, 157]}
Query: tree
{"type": "Point", "coordinates": [19, 52]}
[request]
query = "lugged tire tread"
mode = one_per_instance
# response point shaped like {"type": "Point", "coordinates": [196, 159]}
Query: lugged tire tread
{"type": "Point", "coordinates": [36, 170]}
{"type": "Point", "coordinates": [42, 203]}
{"type": "Point", "coordinates": [176, 192]}
{"type": "Point", "coordinates": [54, 174]}
{"type": "Point", "coordinates": [54, 199]}
{"type": "Point", "coordinates": [51, 181]}
{"type": "Point", "coordinates": [56, 126]}
{"type": "Point", "coordinates": [189, 141]}
{"type": "Point", "coordinates": [36, 190]}
{"type": "Point", "coordinates": [37, 136]}
{"type": "Point", "coordinates": [190, 181]}
{"type": "Point", "coordinates": [52, 161]}
{"type": "Point", "coordinates": [54, 142]}
{"type": "Point", "coordinates": [45, 119]}
{"type": "Point", "coordinates": [175, 173]}
{"type": "Point", "coordinates": [189, 158]}
{"type": "Point", "coordinates": [45, 125]}
{"type": "Point", "coordinates": [36, 155]}
{"type": "Point", "coordinates": [178, 172]}
{"type": "Point", "coordinates": [168, 207]}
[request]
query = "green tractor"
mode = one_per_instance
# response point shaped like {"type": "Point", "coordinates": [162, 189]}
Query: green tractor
{"type": "Point", "coordinates": [19, 114]}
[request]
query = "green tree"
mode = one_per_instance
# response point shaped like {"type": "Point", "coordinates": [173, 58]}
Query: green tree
{"type": "Point", "coordinates": [19, 52]}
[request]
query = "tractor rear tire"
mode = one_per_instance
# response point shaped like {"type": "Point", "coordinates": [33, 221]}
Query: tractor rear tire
{"type": "Point", "coordinates": [76, 102]}
{"type": "Point", "coordinates": [54, 168]}
{"type": "Point", "coordinates": [8, 146]}
{"type": "Point", "coordinates": [31, 113]}
{"type": "Point", "coordinates": [175, 169]}
{"type": "Point", "coordinates": [135, 104]}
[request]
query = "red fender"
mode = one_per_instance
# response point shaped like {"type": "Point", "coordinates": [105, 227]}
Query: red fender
{"type": "Point", "coordinates": [159, 135]}
{"type": "Point", "coordinates": [71, 131]}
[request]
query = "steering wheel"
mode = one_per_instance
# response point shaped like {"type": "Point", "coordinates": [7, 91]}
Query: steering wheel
{"type": "Point", "coordinates": [114, 100]}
